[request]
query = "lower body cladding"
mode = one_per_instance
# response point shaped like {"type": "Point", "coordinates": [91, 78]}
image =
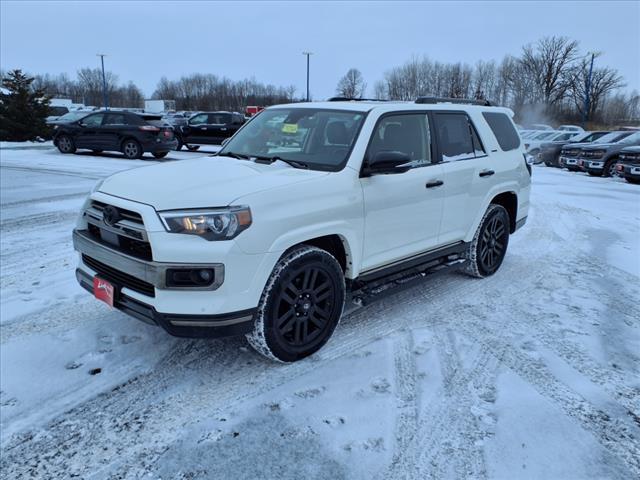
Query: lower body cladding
{"type": "Point", "coordinates": [220, 302]}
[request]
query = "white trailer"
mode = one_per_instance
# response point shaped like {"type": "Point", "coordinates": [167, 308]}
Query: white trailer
{"type": "Point", "coordinates": [159, 106]}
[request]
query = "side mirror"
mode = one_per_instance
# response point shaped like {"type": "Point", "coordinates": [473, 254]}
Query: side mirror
{"type": "Point", "coordinates": [388, 162]}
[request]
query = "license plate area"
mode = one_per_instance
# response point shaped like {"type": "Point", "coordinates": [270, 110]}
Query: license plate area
{"type": "Point", "coordinates": [104, 291]}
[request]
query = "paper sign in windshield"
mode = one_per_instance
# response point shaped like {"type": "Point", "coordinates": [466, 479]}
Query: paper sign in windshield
{"type": "Point", "coordinates": [290, 127]}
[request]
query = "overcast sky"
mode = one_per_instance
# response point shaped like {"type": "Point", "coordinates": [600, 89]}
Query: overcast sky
{"type": "Point", "coordinates": [149, 39]}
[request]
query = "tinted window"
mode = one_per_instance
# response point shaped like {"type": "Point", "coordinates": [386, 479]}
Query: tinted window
{"type": "Point", "coordinates": [502, 127]}
{"type": "Point", "coordinates": [408, 134]}
{"type": "Point", "coordinates": [198, 119]}
{"type": "Point", "coordinates": [57, 111]}
{"type": "Point", "coordinates": [457, 138]}
{"type": "Point", "coordinates": [115, 119]}
{"type": "Point", "coordinates": [219, 118]}
{"type": "Point", "coordinates": [93, 120]}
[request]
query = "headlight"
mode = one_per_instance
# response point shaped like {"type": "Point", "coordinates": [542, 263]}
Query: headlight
{"type": "Point", "coordinates": [214, 224]}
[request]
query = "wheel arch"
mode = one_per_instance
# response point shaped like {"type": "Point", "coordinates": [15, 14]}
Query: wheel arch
{"type": "Point", "coordinates": [509, 200]}
{"type": "Point", "coordinates": [334, 244]}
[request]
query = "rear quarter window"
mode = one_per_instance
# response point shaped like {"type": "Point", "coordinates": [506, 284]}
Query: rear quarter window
{"type": "Point", "coordinates": [502, 127]}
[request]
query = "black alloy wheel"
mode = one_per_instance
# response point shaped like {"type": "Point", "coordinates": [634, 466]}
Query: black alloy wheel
{"type": "Point", "coordinates": [493, 243]}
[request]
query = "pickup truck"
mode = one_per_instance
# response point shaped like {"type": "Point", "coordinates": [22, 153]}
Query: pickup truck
{"type": "Point", "coordinates": [210, 128]}
{"type": "Point", "coordinates": [307, 209]}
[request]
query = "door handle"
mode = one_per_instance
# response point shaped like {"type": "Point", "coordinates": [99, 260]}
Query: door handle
{"type": "Point", "coordinates": [223, 128]}
{"type": "Point", "coordinates": [434, 184]}
{"type": "Point", "coordinates": [203, 128]}
{"type": "Point", "coordinates": [486, 173]}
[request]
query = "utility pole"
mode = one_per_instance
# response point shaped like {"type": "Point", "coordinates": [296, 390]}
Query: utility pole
{"type": "Point", "coordinates": [105, 100]}
{"type": "Point", "coordinates": [585, 115]}
{"type": "Point", "coordinates": [308, 54]}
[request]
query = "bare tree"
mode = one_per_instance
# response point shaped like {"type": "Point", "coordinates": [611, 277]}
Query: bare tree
{"type": "Point", "coordinates": [352, 85]}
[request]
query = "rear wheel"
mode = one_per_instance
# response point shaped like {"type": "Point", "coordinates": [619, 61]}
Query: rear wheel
{"type": "Point", "coordinates": [131, 149]}
{"type": "Point", "coordinates": [66, 144]}
{"type": "Point", "coordinates": [489, 245]}
{"type": "Point", "coordinates": [160, 154]}
{"type": "Point", "coordinates": [300, 306]}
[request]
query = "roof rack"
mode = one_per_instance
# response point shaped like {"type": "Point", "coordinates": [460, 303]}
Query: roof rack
{"type": "Point", "coordinates": [347, 99]}
{"type": "Point", "coordinates": [468, 101]}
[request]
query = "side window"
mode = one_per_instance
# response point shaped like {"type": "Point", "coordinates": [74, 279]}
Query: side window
{"type": "Point", "coordinates": [93, 120]}
{"type": "Point", "coordinates": [406, 133]}
{"type": "Point", "coordinates": [115, 119]}
{"type": "Point", "coordinates": [199, 119]}
{"type": "Point", "coordinates": [219, 118]}
{"type": "Point", "coordinates": [457, 138]}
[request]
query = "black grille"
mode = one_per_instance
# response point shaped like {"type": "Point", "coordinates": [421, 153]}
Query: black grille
{"type": "Point", "coordinates": [119, 278]}
{"type": "Point", "coordinates": [135, 248]}
{"type": "Point", "coordinates": [126, 214]}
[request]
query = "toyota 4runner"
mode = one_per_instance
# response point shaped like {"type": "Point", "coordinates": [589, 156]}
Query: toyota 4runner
{"type": "Point", "coordinates": [307, 208]}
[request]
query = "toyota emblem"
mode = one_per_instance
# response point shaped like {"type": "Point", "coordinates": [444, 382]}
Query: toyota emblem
{"type": "Point", "coordinates": [110, 215]}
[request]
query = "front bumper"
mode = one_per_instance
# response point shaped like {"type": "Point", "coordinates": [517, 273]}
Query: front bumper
{"type": "Point", "coordinates": [179, 325]}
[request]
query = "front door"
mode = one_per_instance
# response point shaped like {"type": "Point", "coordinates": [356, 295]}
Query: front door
{"type": "Point", "coordinates": [197, 128]}
{"type": "Point", "coordinates": [402, 211]}
{"type": "Point", "coordinates": [89, 134]}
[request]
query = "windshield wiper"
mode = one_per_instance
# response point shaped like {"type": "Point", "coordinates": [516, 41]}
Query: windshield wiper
{"type": "Point", "coordinates": [275, 158]}
{"type": "Point", "coordinates": [240, 156]}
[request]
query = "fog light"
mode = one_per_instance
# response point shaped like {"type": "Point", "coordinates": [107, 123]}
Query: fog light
{"type": "Point", "coordinates": [189, 278]}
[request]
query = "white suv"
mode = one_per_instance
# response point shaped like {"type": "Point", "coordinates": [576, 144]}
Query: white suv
{"type": "Point", "coordinates": [306, 208]}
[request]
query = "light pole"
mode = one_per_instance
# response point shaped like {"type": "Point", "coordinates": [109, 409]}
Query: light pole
{"type": "Point", "coordinates": [105, 100]}
{"type": "Point", "coordinates": [585, 114]}
{"type": "Point", "coordinates": [308, 54]}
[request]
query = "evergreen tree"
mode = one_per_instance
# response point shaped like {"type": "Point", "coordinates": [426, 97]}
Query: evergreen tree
{"type": "Point", "coordinates": [23, 109]}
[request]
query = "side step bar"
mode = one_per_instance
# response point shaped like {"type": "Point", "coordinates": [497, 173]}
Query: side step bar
{"type": "Point", "coordinates": [363, 293]}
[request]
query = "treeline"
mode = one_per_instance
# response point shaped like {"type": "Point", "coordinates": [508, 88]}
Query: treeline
{"type": "Point", "coordinates": [548, 81]}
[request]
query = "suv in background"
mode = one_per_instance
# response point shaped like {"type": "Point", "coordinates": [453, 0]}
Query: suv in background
{"type": "Point", "coordinates": [307, 208]}
{"type": "Point", "coordinates": [600, 160]}
{"type": "Point", "coordinates": [629, 164]}
{"type": "Point", "coordinates": [130, 133]}
{"type": "Point", "coordinates": [570, 153]}
{"type": "Point", "coordinates": [550, 151]}
{"type": "Point", "coordinates": [210, 128]}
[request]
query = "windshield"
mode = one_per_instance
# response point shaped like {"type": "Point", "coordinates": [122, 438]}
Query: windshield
{"type": "Point", "coordinates": [73, 116]}
{"type": "Point", "coordinates": [631, 138]}
{"type": "Point", "coordinates": [612, 137]}
{"type": "Point", "coordinates": [319, 138]}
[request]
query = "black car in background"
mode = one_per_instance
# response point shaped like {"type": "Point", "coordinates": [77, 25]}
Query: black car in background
{"type": "Point", "coordinates": [550, 151]}
{"type": "Point", "coordinates": [600, 160]}
{"type": "Point", "coordinates": [629, 164]}
{"type": "Point", "coordinates": [210, 128]}
{"type": "Point", "coordinates": [130, 133]}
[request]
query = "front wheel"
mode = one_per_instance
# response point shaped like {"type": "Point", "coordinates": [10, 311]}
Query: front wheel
{"type": "Point", "coordinates": [131, 149]}
{"type": "Point", "coordinates": [489, 245]}
{"type": "Point", "coordinates": [160, 154]}
{"type": "Point", "coordinates": [66, 144]}
{"type": "Point", "coordinates": [300, 306]}
{"type": "Point", "coordinates": [193, 148]}
{"type": "Point", "coordinates": [609, 169]}
{"type": "Point", "coordinates": [635, 181]}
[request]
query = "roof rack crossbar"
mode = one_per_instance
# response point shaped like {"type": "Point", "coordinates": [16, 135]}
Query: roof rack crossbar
{"type": "Point", "coordinates": [348, 99]}
{"type": "Point", "coordinates": [468, 101]}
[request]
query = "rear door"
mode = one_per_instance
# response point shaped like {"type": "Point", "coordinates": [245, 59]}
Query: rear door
{"type": "Point", "coordinates": [219, 127]}
{"type": "Point", "coordinates": [88, 135]}
{"type": "Point", "coordinates": [114, 126]}
{"type": "Point", "coordinates": [467, 173]}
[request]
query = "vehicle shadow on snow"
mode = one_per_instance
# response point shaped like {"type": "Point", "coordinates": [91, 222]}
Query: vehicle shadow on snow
{"type": "Point", "coordinates": [120, 156]}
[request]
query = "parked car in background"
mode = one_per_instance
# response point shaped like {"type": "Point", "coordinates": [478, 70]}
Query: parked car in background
{"type": "Point", "coordinates": [130, 133]}
{"type": "Point", "coordinates": [210, 128]}
{"type": "Point", "coordinates": [571, 128]}
{"type": "Point", "coordinates": [176, 119]}
{"type": "Point", "coordinates": [600, 160]}
{"type": "Point", "coordinates": [55, 112]}
{"type": "Point", "coordinates": [532, 145]}
{"type": "Point", "coordinates": [629, 164]}
{"type": "Point", "coordinates": [570, 153]}
{"type": "Point", "coordinates": [541, 126]}
{"type": "Point", "coordinates": [550, 151]}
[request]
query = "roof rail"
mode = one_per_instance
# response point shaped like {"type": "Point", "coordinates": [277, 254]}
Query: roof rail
{"type": "Point", "coordinates": [347, 99]}
{"type": "Point", "coordinates": [468, 101]}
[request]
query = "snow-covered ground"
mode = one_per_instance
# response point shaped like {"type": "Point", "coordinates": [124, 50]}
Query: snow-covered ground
{"type": "Point", "coordinates": [532, 373]}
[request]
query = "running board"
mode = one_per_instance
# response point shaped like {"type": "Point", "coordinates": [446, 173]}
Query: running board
{"type": "Point", "coordinates": [363, 293]}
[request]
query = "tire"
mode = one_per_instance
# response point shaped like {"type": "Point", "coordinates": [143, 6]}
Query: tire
{"type": "Point", "coordinates": [132, 149]}
{"type": "Point", "coordinates": [595, 174]}
{"type": "Point", "coordinates": [304, 295]}
{"type": "Point", "coordinates": [160, 154]}
{"type": "Point", "coordinates": [549, 164]}
{"type": "Point", "coordinates": [609, 169]}
{"type": "Point", "coordinates": [193, 148]}
{"type": "Point", "coordinates": [635, 181]}
{"type": "Point", "coordinates": [180, 144]}
{"type": "Point", "coordinates": [66, 144]}
{"type": "Point", "coordinates": [489, 245]}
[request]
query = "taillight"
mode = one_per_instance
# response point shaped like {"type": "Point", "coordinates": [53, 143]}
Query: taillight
{"type": "Point", "coordinates": [149, 128]}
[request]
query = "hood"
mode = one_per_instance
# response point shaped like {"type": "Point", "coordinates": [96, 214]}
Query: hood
{"type": "Point", "coordinates": [631, 149]}
{"type": "Point", "coordinates": [201, 183]}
